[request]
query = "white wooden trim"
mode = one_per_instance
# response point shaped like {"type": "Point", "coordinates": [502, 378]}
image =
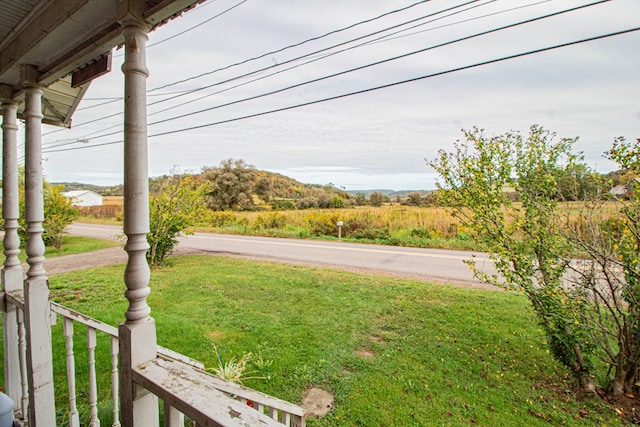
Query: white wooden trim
{"type": "Point", "coordinates": [194, 394]}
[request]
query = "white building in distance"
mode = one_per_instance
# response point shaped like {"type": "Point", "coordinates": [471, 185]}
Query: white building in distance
{"type": "Point", "coordinates": [84, 198]}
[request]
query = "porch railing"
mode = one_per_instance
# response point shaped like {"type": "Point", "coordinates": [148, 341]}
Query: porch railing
{"type": "Point", "coordinates": [179, 381]}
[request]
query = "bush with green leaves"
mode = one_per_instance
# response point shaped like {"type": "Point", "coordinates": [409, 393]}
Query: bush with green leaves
{"type": "Point", "coordinates": [589, 308]}
{"type": "Point", "coordinates": [283, 204]}
{"type": "Point", "coordinates": [174, 206]}
{"type": "Point", "coordinates": [609, 277]}
{"type": "Point", "coordinates": [523, 239]}
{"type": "Point", "coordinates": [58, 214]}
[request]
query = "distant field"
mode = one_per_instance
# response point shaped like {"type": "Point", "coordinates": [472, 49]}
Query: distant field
{"type": "Point", "coordinates": [112, 200]}
{"type": "Point", "coordinates": [397, 225]}
{"type": "Point", "coordinates": [389, 225]}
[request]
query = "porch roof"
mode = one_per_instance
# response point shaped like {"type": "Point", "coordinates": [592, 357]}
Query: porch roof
{"type": "Point", "coordinates": [69, 42]}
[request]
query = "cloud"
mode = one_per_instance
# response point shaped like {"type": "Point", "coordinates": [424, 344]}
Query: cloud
{"type": "Point", "coordinates": [587, 90]}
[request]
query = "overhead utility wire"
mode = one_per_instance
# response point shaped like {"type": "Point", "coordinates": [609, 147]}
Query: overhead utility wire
{"type": "Point", "coordinates": [155, 44]}
{"type": "Point", "coordinates": [320, 51]}
{"type": "Point", "coordinates": [198, 25]}
{"type": "Point", "coordinates": [111, 100]}
{"type": "Point", "coordinates": [55, 144]}
{"type": "Point", "coordinates": [283, 63]}
{"type": "Point", "coordinates": [273, 52]}
{"type": "Point", "coordinates": [282, 49]}
{"type": "Point", "coordinates": [364, 66]}
{"type": "Point", "coordinates": [389, 36]}
{"type": "Point", "coordinates": [450, 42]}
{"type": "Point", "coordinates": [324, 57]}
{"type": "Point", "coordinates": [360, 92]}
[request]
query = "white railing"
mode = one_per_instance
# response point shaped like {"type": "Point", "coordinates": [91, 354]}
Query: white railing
{"type": "Point", "coordinates": [181, 382]}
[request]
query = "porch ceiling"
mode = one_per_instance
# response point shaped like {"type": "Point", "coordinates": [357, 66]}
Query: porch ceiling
{"type": "Point", "coordinates": [60, 37]}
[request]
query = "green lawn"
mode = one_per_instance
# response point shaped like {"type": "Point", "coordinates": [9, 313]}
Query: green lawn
{"type": "Point", "coordinates": [70, 245]}
{"type": "Point", "coordinates": [393, 352]}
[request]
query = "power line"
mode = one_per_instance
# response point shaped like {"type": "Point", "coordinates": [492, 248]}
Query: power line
{"type": "Point", "coordinates": [372, 89]}
{"type": "Point", "coordinates": [461, 39]}
{"type": "Point", "coordinates": [282, 49]}
{"type": "Point", "coordinates": [385, 86]}
{"type": "Point", "coordinates": [297, 58]}
{"type": "Point", "coordinates": [458, 40]}
{"type": "Point", "coordinates": [324, 49]}
{"type": "Point", "coordinates": [299, 65]}
{"type": "Point", "coordinates": [198, 25]}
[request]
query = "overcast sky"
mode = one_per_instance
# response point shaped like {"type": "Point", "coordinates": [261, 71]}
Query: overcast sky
{"type": "Point", "coordinates": [377, 139]}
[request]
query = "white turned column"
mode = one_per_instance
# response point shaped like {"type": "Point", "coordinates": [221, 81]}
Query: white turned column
{"type": "Point", "coordinates": [137, 333]}
{"type": "Point", "coordinates": [93, 384]}
{"type": "Point", "coordinates": [74, 417]}
{"type": "Point", "coordinates": [12, 275]}
{"type": "Point", "coordinates": [36, 288]}
{"type": "Point", "coordinates": [22, 344]}
{"type": "Point", "coordinates": [115, 389]}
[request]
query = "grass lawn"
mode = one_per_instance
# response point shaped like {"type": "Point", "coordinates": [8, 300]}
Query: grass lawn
{"type": "Point", "coordinates": [77, 245]}
{"type": "Point", "coordinates": [393, 352]}
{"type": "Point", "coordinates": [70, 245]}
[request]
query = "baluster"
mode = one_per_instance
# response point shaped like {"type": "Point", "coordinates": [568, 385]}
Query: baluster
{"type": "Point", "coordinates": [172, 417]}
{"type": "Point", "coordinates": [286, 418]}
{"type": "Point", "coordinates": [22, 354]}
{"type": "Point", "coordinates": [115, 381]}
{"type": "Point", "coordinates": [297, 421]}
{"type": "Point", "coordinates": [71, 373]}
{"type": "Point", "coordinates": [273, 413]}
{"type": "Point", "coordinates": [93, 387]}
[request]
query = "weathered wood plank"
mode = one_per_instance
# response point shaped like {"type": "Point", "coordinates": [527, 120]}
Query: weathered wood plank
{"type": "Point", "coordinates": [192, 392]}
{"type": "Point", "coordinates": [256, 396]}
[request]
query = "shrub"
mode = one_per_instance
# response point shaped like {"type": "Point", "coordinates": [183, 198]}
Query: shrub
{"type": "Point", "coordinates": [270, 220]}
{"type": "Point", "coordinates": [221, 219]}
{"type": "Point", "coordinates": [58, 214]}
{"type": "Point", "coordinates": [283, 205]}
{"type": "Point", "coordinates": [307, 203]}
{"type": "Point", "coordinates": [323, 224]}
{"type": "Point", "coordinates": [172, 209]}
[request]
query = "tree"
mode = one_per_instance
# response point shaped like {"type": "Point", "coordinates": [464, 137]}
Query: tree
{"type": "Point", "coordinates": [589, 308]}
{"type": "Point", "coordinates": [175, 205]}
{"type": "Point", "coordinates": [337, 202]}
{"type": "Point", "coordinates": [414, 199]}
{"type": "Point", "coordinates": [376, 199]}
{"type": "Point", "coordinates": [230, 187]}
{"type": "Point", "coordinates": [360, 199]}
{"type": "Point", "coordinates": [609, 277]}
{"type": "Point", "coordinates": [577, 182]}
{"type": "Point", "coordinates": [523, 241]}
{"type": "Point", "coordinates": [264, 188]}
{"type": "Point", "coordinates": [58, 213]}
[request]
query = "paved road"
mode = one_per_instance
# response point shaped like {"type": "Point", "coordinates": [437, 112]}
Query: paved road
{"type": "Point", "coordinates": [427, 264]}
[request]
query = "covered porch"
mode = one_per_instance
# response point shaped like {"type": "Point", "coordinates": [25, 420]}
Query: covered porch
{"type": "Point", "coordinates": [49, 53]}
